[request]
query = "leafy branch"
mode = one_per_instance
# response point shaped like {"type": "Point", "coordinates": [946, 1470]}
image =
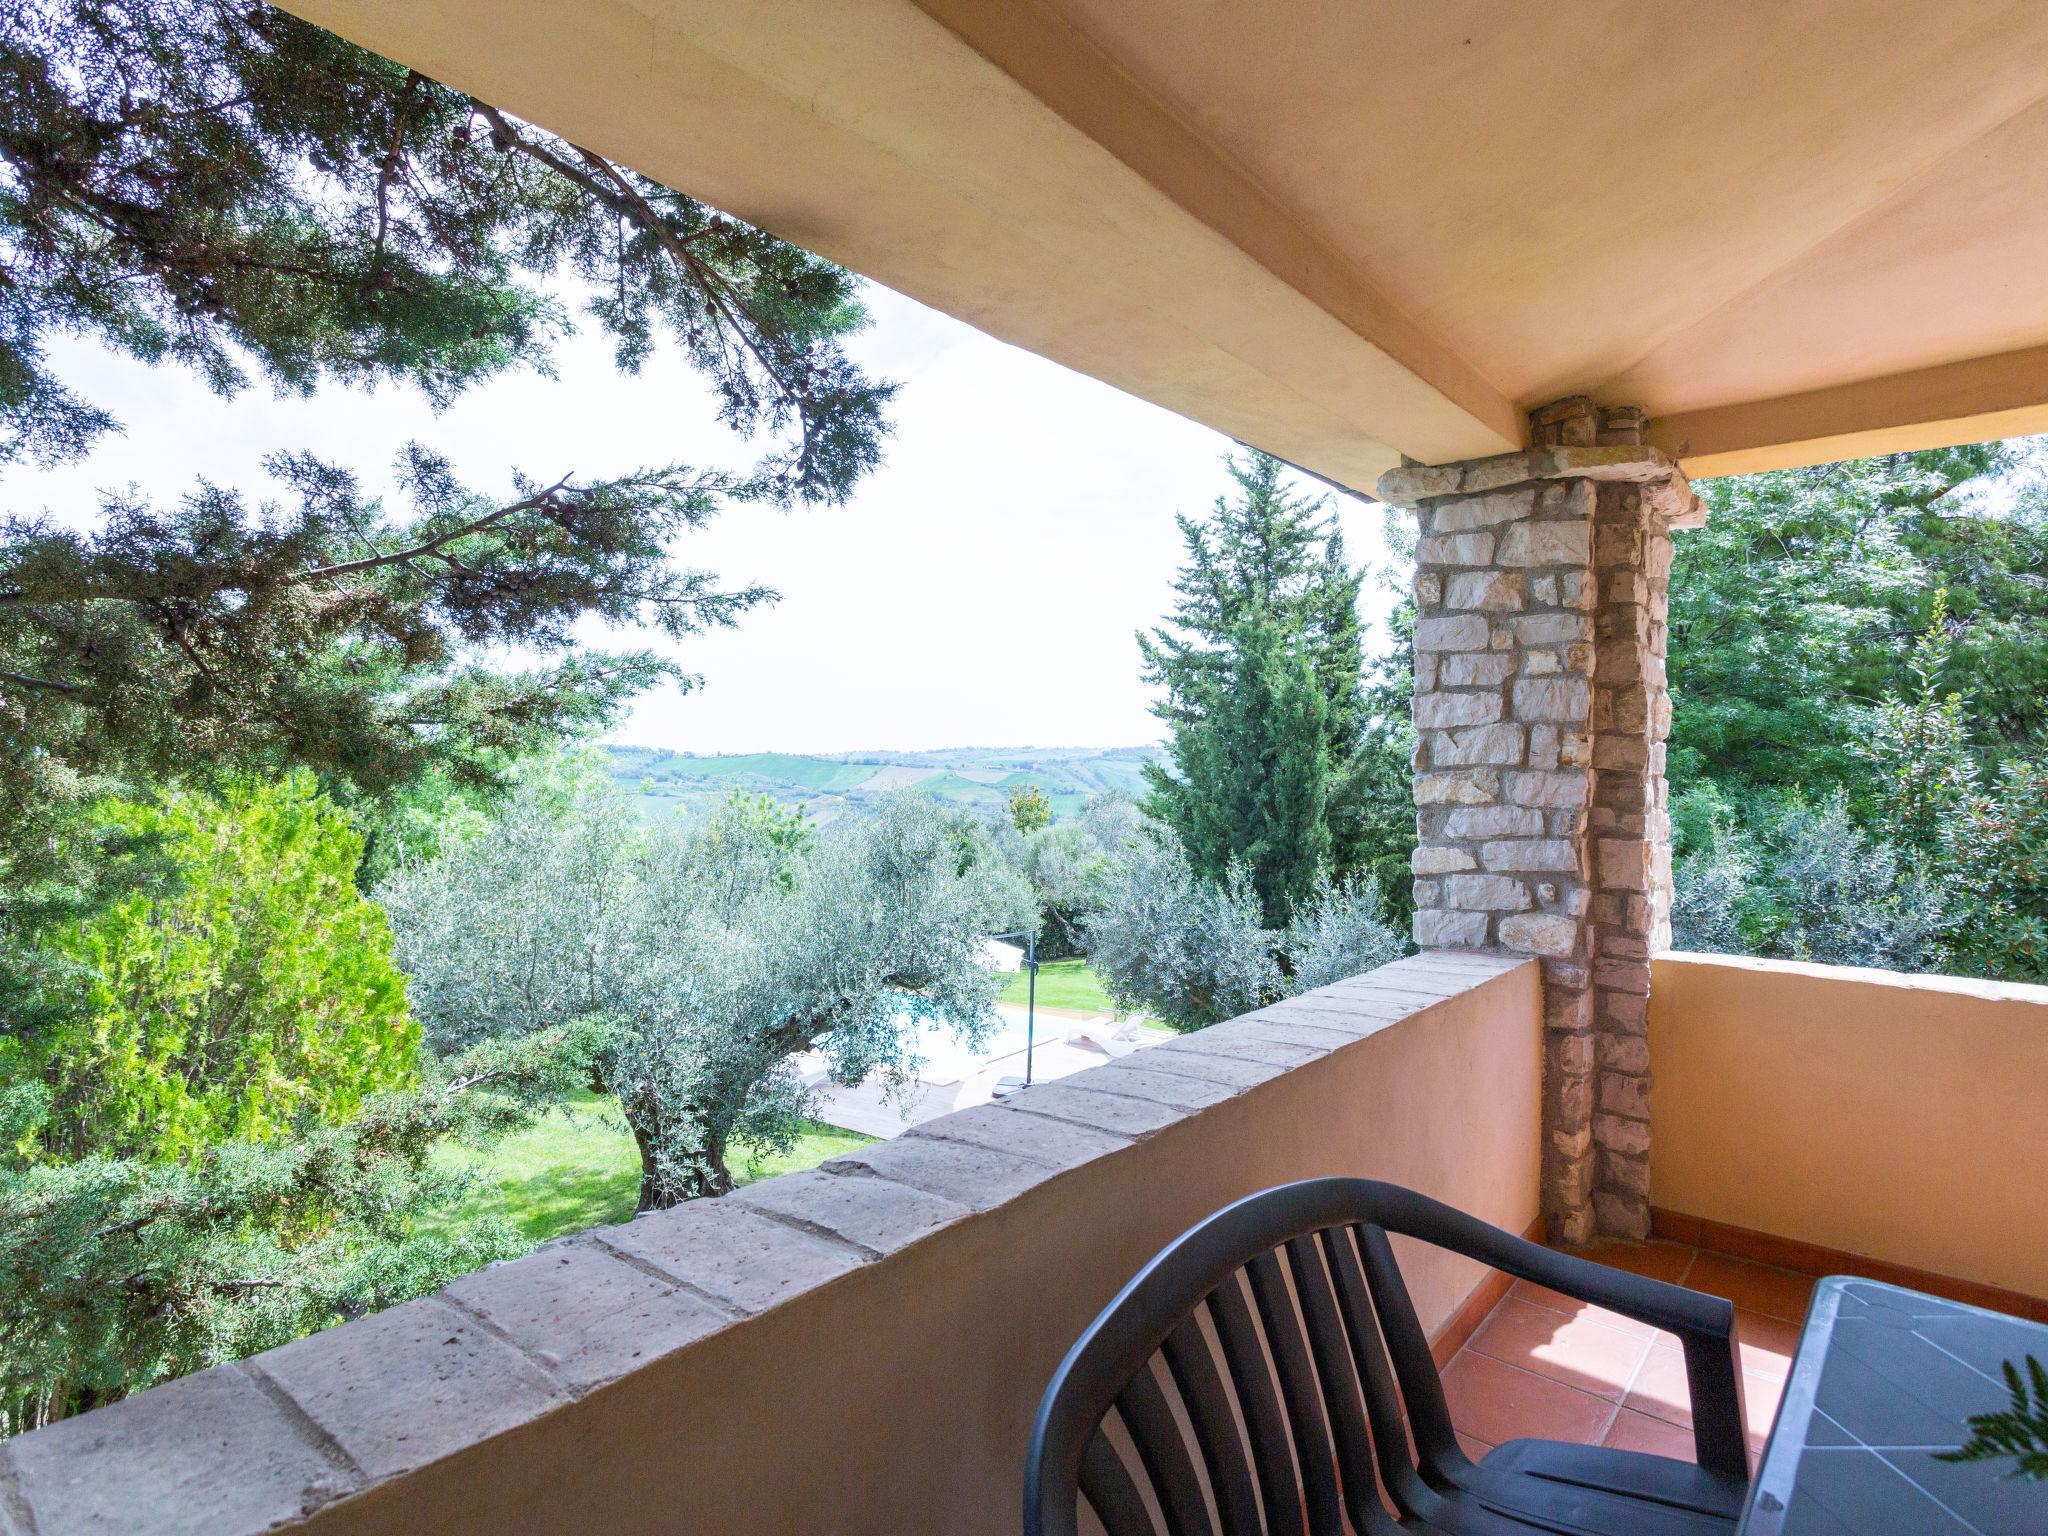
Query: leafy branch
{"type": "Point", "coordinates": [2019, 1432]}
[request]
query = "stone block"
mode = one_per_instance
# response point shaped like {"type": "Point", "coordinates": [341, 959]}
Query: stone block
{"type": "Point", "coordinates": [1563, 699]}
{"type": "Point", "coordinates": [1429, 589]}
{"type": "Point", "coordinates": [1472, 669]}
{"type": "Point", "coordinates": [1413, 483]}
{"type": "Point", "coordinates": [1630, 1138]}
{"type": "Point", "coordinates": [1460, 632]}
{"type": "Point", "coordinates": [1628, 710]}
{"type": "Point", "coordinates": [873, 1215]}
{"type": "Point", "coordinates": [1622, 1093]}
{"type": "Point", "coordinates": [1245, 1043]}
{"type": "Point", "coordinates": [1623, 1175]}
{"type": "Point", "coordinates": [1447, 930]}
{"type": "Point", "coordinates": [742, 1257]}
{"type": "Point", "coordinates": [1569, 1227]}
{"type": "Point", "coordinates": [1465, 786]}
{"type": "Point", "coordinates": [1622, 754]}
{"type": "Point", "coordinates": [1469, 512]}
{"type": "Point", "coordinates": [1492, 473]}
{"type": "Point", "coordinates": [1545, 543]}
{"type": "Point", "coordinates": [1228, 1071]}
{"type": "Point", "coordinates": [1631, 976]}
{"type": "Point", "coordinates": [1566, 1009]}
{"type": "Point", "coordinates": [1547, 853]}
{"type": "Point", "coordinates": [1539, 933]}
{"type": "Point", "coordinates": [1624, 1216]}
{"type": "Point", "coordinates": [1003, 1129]}
{"type": "Point", "coordinates": [1617, 544]}
{"type": "Point", "coordinates": [1618, 662]}
{"type": "Point", "coordinates": [1561, 789]}
{"type": "Point", "coordinates": [1559, 975]}
{"type": "Point", "coordinates": [1500, 745]}
{"type": "Point", "coordinates": [1623, 1011]}
{"type": "Point", "coordinates": [1492, 591]}
{"type": "Point", "coordinates": [1541, 664]}
{"type": "Point", "coordinates": [204, 1454]}
{"type": "Point", "coordinates": [1625, 1053]}
{"type": "Point", "coordinates": [979, 1178]}
{"type": "Point", "coordinates": [1624, 864]}
{"type": "Point", "coordinates": [1551, 628]}
{"type": "Point", "coordinates": [1440, 860]}
{"type": "Point", "coordinates": [1460, 549]}
{"type": "Point", "coordinates": [404, 1387]}
{"type": "Point", "coordinates": [1566, 1144]}
{"type": "Point", "coordinates": [1567, 1101]}
{"type": "Point", "coordinates": [1628, 587]}
{"type": "Point", "coordinates": [1570, 1055]}
{"type": "Point", "coordinates": [1133, 1078]}
{"type": "Point", "coordinates": [1107, 1111]}
{"type": "Point", "coordinates": [584, 1313]}
{"type": "Point", "coordinates": [1485, 893]}
{"type": "Point", "coordinates": [1568, 498]}
{"type": "Point", "coordinates": [1479, 821]}
{"type": "Point", "coordinates": [1438, 711]}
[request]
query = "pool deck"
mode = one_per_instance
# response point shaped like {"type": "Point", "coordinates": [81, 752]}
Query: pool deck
{"type": "Point", "coordinates": [875, 1110]}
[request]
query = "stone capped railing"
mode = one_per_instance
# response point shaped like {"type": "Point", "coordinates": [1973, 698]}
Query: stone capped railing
{"type": "Point", "coordinates": [857, 1348]}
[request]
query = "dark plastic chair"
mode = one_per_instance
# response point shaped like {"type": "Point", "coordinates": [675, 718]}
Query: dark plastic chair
{"type": "Point", "coordinates": [1252, 1377]}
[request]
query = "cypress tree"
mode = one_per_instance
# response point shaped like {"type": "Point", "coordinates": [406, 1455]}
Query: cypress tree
{"type": "Point", "coordinates": [1259, 667]}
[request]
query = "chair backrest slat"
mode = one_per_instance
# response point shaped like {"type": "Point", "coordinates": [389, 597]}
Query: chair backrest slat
{"type": "Point", "coordinates": [1217, 1435]}
{"type": "Point", "coordinates": [1156, 1434]}
{"type": "Point", "coordinates": [1106, 1485]}
{"type": "Point", "coordinates": [1429, 1416]}
{"type": "Point", "coordinates": [1312, 1448]}
{"type": "Point", "coordinates": [1252, 1376]}
{"type": "Point", "coordinates": [1369, 1359]}
{"type": "Point", "coordinates": [1335, 1368]}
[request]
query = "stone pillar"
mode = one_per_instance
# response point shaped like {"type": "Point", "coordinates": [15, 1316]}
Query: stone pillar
{"type": "Point", "coordinates": [1540, 718]}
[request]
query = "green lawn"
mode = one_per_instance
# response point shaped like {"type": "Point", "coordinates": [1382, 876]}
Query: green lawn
{"type": "Point", "coordinates": [1062, 984]}
{"type": "Point", "coordinates": [577, 1168]}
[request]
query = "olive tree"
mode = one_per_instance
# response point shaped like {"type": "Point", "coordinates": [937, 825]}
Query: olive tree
{"type": "Point", "coordinates": [715, 954]}
{"type": "Point", "coordinates": [1191, 951]}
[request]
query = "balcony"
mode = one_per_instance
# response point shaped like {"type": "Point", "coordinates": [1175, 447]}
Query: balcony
{"type": "Point", "coordinates": [860, 1348]}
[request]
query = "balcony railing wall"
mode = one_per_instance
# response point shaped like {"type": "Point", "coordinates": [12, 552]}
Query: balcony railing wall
{"type": "Point", "coordinates": [1902, 1119]}
{"type": "Point", "coordinates": [857, 1349]}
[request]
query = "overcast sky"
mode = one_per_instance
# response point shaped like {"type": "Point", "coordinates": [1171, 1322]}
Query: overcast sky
{"type": "Point", "coordinates": [981, 589]}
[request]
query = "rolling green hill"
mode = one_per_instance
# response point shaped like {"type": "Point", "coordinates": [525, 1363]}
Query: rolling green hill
{"type": "Point", "coordinates": [666, 783]}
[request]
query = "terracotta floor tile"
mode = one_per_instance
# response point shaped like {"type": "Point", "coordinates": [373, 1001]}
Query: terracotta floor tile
{"type": "Point", "coordinates": [1576, 1351]}
{"type": "Point", "coordinates": [1767, 1343]}
{"type": "Point", "coordinates": [1776, 1293]}
{"type": "Point", "coordinates": [1660, 1391]}
{"type": "Point", "coordinates": [1571, 1306]}
{"type": "Point", "coordinates": [1632, 1431]}
{"type": "Point", "coordinates": [1760, 1397]}
{"type": "Point", "coordinates": [1473, 1448]}
{"type": "Point", "coordinates": [1493, 1402]}
{"type": "Point", "coordinates": [1657, 1259]}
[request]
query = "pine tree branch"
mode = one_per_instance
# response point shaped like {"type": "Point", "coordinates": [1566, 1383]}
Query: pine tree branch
{"type": "Point", "coordinates": [434, 545]}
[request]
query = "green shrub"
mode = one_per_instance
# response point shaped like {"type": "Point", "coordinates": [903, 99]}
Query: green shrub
{"type": "Point", "coordinates": [251, 992]}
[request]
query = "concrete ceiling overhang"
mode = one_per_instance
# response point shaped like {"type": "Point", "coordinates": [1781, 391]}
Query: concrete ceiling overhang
{"type": "Point", "coordinates": [1348, 232]}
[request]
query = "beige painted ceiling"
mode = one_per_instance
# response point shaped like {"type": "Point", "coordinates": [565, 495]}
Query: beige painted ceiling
{"type": "Point", "coordinates": [1348, 230]}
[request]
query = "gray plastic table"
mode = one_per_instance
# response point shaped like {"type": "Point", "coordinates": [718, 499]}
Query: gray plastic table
{"type": "Point", "coordinates": [1885, 1378]}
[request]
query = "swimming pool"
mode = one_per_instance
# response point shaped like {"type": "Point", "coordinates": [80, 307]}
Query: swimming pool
{"type": "Point", "coordinates": [947, 1060]}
